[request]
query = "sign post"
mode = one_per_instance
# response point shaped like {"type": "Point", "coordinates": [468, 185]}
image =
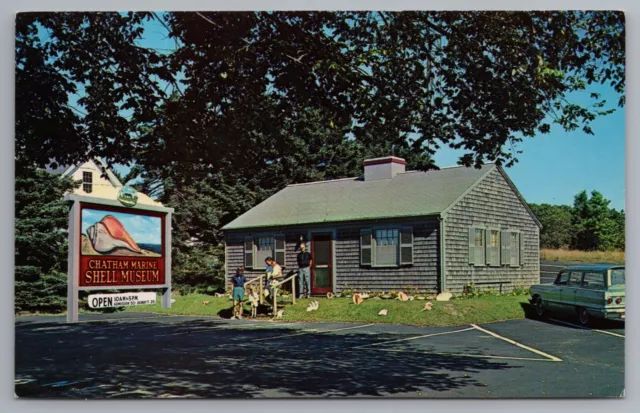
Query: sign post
{"type": "Point", "coordinates": [116, 247]}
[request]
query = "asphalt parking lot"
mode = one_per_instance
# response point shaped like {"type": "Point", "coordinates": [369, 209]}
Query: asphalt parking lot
{"type": "Point", "coordinates": [136, 355]}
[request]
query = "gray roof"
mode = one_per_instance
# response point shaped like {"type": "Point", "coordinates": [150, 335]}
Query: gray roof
{"type": "Point", "coordinates": [408, 194]}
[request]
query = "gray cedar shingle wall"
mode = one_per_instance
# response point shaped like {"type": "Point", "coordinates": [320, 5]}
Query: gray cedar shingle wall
{"type": "Point", "coordinates": [493, 203]}
{"type": "Point", "coordinates": [423, 274]}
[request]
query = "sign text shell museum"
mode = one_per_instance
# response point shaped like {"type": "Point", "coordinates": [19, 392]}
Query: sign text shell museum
{"type": "Point", "coordinates": [113, 271]}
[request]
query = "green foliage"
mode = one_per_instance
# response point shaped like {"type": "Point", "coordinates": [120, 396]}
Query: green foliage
{"type": "Point", "coordinates": [414, 80]}
{"type": "Point", "coordinates": [596, 226]}
{"type": "Point", "coordinates": [41, 218]}
{"type": "Point", "coordinates": [588, 225]}
{"type": "Point", "coordinates": [557, 228]}
{"type": "Point", "coordinates": [474, 291]}
{"type": "Point", "coordinates": [47, 293]}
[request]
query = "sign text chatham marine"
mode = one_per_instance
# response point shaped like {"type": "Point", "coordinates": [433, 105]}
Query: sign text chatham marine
{"type": "Point", "coordinates": [121, 272]}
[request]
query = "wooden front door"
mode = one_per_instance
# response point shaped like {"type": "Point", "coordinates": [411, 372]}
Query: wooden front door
{"type": "Point", "coordinates": [322, 266]}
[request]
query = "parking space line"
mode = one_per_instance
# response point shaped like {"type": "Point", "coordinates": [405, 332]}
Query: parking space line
{"type": "Point", "coordinates": [587, 328]}
{"type": "Point", "coordinates": [311, 331]}
{"type": "Point", "coordinates": [390, 350]}
{"type": "Point", "coordinates": [610, 333]}
{"type": "Point", "coordinates": [508, 340]}
{"type": "Point", "coordinates": [412, 338]}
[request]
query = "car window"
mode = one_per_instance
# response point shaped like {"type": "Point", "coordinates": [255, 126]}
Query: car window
{"type": "Point", "coordinates": [562, 278]}
{"type": "Point", "coordinates": [593, 280]}
{"type": "Point", "coordinates": [575, 279]}
{"type": "Point", "coordinates": [617, 276]}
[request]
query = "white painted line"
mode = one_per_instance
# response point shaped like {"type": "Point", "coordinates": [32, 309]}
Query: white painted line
{"type": "Point", "coordinates": [311, 331]}
{"type": "Point", "coordinates": [466, 355]}
{"type": "Point", "coordinates": [587, 328]}
{"type": "Point", "coordinates": [610, 333]}
{"type": "Point", "coordinates": [508, 340]}
{"type": "Point", "coordinates": [413, 338]}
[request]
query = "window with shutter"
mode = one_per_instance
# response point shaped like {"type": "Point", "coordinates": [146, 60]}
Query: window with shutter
{"type": "Point", "coordinates": [385, 242]}
{"type": "Point", "coordinates": [406, 246]}
{"type": "Point", "coordinates": [248, 252]}
{"type": "Point", "coordinates": [365, 247]}
{"type": "Point", "coordinates": [505, 254]}
{"type": "Point", "coordinates": [264, 248]}
{"type": "Point", "coordinates": [477, 244]}
{"type": "Point", "coordinates": [279, 250]}
{"type": "Point", "coordinates": [493, 247]}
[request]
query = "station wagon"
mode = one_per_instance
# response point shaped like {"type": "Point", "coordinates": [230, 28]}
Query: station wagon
{"type": "Point", "coordinates": [589, 291]}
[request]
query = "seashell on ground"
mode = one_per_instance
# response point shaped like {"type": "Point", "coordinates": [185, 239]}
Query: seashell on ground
{"type": "Point", "coordinates": [420, 297]}
{"type": "Point", "coordinates": [384, 311]}
{"type": "Point", "coordinates": [444, 296]}
{"type": "Point", "coordinates": [402, 296]}
{"type": "Point", "coordinates": [357, 299]}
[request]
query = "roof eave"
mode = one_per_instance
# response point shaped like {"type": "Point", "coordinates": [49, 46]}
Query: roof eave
{"type": "Point", "coordinates": [342, 221]}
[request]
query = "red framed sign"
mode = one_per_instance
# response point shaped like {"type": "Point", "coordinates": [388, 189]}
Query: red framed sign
{"type": "Point", "coordinates": [120, 247]}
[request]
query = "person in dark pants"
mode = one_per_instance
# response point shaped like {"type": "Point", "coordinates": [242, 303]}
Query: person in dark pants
{"type": "Point", "coordinates": [304, 271]}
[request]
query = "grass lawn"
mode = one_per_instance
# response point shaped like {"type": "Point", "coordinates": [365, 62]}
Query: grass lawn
{"type": "Point", "coordinates": [446, 313]}
{"type": "Point", "coordinates": [609, 257]}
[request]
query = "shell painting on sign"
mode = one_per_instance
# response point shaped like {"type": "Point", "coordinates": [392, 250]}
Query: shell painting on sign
{"type": "Point", "coordinates": [120, 234]}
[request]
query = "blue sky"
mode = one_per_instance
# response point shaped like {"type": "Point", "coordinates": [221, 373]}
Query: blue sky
{"type": "Point", "coordinates": [554, 167]}
{"type": "Point", "coordinates": [143, 229]}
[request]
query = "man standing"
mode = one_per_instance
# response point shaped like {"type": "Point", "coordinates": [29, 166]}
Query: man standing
{"type": "Point", "coordinates": [304, 271]}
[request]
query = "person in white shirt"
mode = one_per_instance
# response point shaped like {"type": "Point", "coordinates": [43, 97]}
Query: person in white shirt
{"type": "Point", "coordinates": [274, 275]}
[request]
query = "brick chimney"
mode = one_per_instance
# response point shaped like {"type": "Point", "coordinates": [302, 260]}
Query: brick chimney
{"type": "Point", "coordinates": [383, 168]}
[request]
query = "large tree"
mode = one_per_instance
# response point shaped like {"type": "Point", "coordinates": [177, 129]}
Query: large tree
{"type": "Point", "coordinates": [480, 81]}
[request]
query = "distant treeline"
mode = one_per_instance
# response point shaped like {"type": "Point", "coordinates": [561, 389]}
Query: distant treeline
{"type": "Point", "coordinates": [588, 225]}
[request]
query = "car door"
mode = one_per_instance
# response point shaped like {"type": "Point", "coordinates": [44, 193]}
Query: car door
{"type": "Point", "coordinates": [591, 293]}
{"type": "Point", "coordinates": [554, 291]}
{"type": "Point", "coordinates": [568, 297]}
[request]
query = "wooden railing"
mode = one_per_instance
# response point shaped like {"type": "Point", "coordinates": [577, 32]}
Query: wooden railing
{"type": "Point", "coordinates": [277, 286]}
{"type": "Point", "coordinates": [260, 286]}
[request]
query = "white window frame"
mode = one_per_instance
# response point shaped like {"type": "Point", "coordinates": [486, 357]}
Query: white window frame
{"type": "Point", "coordinates": [88, 183]}
{"type": "Point", "coordinates": [259, 264]}
{"type": "Point", "coordinates": [398, 244]}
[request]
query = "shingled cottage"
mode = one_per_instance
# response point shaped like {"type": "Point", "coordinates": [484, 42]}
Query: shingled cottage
{"type": "Point", "coordinates": [394, 229]}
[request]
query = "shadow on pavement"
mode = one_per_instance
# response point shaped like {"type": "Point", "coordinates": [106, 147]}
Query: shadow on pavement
{"type": "Point", "coordinates": [209, 358]}
{"type": "Point", "coordinates": [530, 313]}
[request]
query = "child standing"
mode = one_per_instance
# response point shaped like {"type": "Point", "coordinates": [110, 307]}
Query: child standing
{"type": "Point", "coordinates": [238, 281]}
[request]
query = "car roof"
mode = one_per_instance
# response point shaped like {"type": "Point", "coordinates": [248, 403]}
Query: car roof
{"type": "Point", "coordinates": [594, 267]}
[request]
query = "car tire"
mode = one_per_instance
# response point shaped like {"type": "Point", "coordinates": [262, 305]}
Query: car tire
{"type": "Point", "coordinates": [583, 316]}
{"type": "Point", "coordinates": [538, 306]}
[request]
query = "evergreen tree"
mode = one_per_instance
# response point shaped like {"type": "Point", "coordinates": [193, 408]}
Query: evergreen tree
{"type": "Point", "coordinates": [41, 222]}
{"type": "Point", "coordinates": [595, 228]}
